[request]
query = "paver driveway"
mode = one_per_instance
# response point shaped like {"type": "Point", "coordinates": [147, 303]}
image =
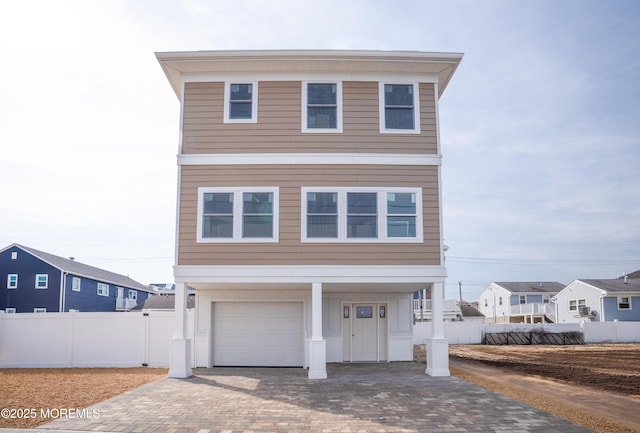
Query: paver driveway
{"type": "Point", "coordinates": [395, 397]}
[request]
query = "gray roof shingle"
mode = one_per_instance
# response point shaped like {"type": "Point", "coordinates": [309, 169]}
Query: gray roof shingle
{"type": "Point", "coordinates": [532, 287]}
{"type": "Point", "coordinates": [616, 285]}
{"type": "Point", "coordinates": [80, 269]}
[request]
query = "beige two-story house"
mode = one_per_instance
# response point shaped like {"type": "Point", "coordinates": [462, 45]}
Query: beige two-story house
{"type": "Point", "coordinates": [309, 206]}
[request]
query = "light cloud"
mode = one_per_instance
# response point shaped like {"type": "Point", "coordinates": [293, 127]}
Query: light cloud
{"type": "Point", "coordinates": [539, 126]}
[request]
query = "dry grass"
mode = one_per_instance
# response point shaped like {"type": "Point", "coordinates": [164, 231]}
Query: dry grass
{"type": "Point", "coordinates": [70, 388]}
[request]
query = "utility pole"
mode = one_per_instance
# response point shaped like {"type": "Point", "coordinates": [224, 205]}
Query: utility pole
{"type": "Point", "coordinates": [460, 289]}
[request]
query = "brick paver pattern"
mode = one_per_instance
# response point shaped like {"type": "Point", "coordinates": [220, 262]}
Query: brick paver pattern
{"type": "Point", "coordinates": [389, 397]}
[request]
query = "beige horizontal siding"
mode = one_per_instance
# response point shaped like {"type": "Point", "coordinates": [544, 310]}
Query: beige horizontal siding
{"type": "Point", "coordinates": [279, 122]}
{"type": "Point", "coordinates": [290, 250]}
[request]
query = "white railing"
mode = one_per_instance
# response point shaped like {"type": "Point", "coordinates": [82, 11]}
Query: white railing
{"type": "Point", "coordinates": [538, 309]}
{"type": "Point", "coordinates": [422, 308]}
{"type": "Point", "coordinates": [125, 304]}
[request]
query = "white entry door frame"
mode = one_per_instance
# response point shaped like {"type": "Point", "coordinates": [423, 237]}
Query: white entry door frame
{"type": "Point", "coordinates": [365, 331]}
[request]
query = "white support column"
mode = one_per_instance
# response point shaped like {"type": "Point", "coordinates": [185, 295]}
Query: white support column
{"type": "Point", "coordinates": [317, 345]}
{"type": "Point", "coordinates": [180, 345]}
{"type": "Point", "coordinates": [437, 345]}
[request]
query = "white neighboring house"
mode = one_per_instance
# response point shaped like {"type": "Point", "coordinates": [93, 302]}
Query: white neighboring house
{"type": "Point", "coordinates": [519, 302]}
{"type": "Point", "coordinates": [604, 300]}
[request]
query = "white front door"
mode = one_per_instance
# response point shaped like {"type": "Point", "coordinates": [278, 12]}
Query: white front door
{"type": "Point", "coordinates": [365, 332]}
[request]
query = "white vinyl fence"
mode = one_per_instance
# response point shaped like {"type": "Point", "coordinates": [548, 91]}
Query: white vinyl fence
{"type": "Point", "coordinates": [473, 332]}
{"type": "Point", "coordinates": [75, 339]}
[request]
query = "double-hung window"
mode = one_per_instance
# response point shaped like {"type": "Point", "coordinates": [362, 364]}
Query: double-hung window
{"type": "Point", "coordinates": [322, 107]}
{"type": "Point", "coordinates": [340, 214]}
{"type": "Point", "coordinates": [42, 281]}
{"type": "Point", "coordinates": [362, 215]}
{"type": "Point", "coordinates": [132, 294]}
{"type": "Point", "coordinates": [522, 299]}
{"type": "Point", "coordinates": [103, 289]}
{"type": "Point", "coordinates": [75, 284]}
{"type": "Point", "coordinates": [241, 102]}
{"type": "Point", "coordinates": [399, 108]}
{"type": "Point", "coordinates": [12, 281]}
{"type": "Point", "coordinates": [248, 214]}
{"type": "Point", "coordinates": [575, 304]}
{"type": "Point", "coordinates": [624, 303]}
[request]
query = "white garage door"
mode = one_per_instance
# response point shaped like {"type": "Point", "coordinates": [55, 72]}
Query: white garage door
{"type": "Point", "coordinates": [267, 334]}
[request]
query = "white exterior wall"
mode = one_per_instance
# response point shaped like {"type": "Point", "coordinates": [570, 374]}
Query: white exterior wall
{"type": "Point", "coordinates": [399, 319]}
{"type": "Point", "coordinates": [492, 296]}
{"type": "Point", "coordinates": [578, 290]}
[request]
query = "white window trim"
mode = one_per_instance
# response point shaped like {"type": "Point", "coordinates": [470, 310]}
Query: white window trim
{"type": "Point", "coordinates": [132, 294]}
{"type": "Point", "coordinates": [99, 292]}
{"type": "Point", "coordinates": [237, 213]}
{"type": "Point", "coordinates": [416, 109]}
{"type": "Point", "coordinates": [12, 286]}
{"type": "Point", "coordinates": [254, 102]}
{"type": "Point", "coordinates": [39, 310]}
{"type": "Point", "coordinates": [46, 281]}
{"type": "Point", "coordinates": [14, 255]}
{"type": "Point", "coordinates": [10, 310]}
{"type": "Point", "coordinates": [520, 297]}
{"type": "Point", "coordinates": [382, 215]}
{"type": "Point", "coordinates": [338, 128]}
{"type": "Point", "coordinates": [577, 301]}
{"type": "Point", "coordinates": [624, 309]}
{"type": "Point", "coordinates": [73, 280]}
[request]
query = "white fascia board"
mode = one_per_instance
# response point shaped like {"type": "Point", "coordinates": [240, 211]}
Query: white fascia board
{"type": "Point", "coordinates": [209, 77]}
{"type": "Point", "coordinates": [309, 159]}
{"type": "Point", "coordinates": [306, 274]}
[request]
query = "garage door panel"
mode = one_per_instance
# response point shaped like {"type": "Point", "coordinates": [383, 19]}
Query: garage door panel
{"type": "Point", "coordinates": [258, 334]}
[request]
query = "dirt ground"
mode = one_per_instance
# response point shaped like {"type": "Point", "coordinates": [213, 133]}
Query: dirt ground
{"type": "Point", "coordinates": [597, 386]}
{"type": "Point", "coordinates": [24, 392]}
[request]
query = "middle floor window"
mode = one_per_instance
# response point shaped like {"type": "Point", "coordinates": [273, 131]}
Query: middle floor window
{"type": "Point", "coordinates": [361, 214]}
{"type": "Point", "coordinates": [247, 214]}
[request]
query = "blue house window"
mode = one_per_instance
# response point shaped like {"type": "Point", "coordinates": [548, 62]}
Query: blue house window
{"type": "Point", "coordinates": [42, 281]}
{"type": "Point", "coordinates": [133, 294]}
{"type": "Point", "coordinates": [624, 303]}
{"type": "Point", "coordinates": [103, 289]}
{"type": "Point", "coordinates": [75, 284]}
{"type": "Point", "coordinates": [12, 281]}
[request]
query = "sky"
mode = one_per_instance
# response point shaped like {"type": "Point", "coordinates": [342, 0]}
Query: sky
{"type": "Point", "coordinates": [540, 125]}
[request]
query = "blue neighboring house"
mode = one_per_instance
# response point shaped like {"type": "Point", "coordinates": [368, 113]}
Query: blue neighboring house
{"type": "Point", "coordinates": [33, 281]}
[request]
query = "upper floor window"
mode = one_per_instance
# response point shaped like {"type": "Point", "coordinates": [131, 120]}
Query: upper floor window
{"type": "Point", "coordinates": [322, 107]}
{"type": "Point", "coordinates": [624, 303]}
{"type": "Point", "coordinates": [399, 110]}
{"type": "Point", "coordinates": [132, 294]}
{"type": "Point", "coordinates": [42, 281]}
{"type": "Point", "coordinates": [10, 310]}
{"type": "Point", "coordinates": [12, 281]}
{"type": "Point", "coordinates": [361, 214]}
{"type": "Point", "coordinates": [103, 289]}
{"type": "Point", "coordinates": [75, 284]}
{"type": "Point", "coordinates": [39, 310]}
{"type": "Point", "coordinates": [241, 102]}
{"type": "Point", "coordinates": [238, 214]}
{"type": "Point", "coordinates": [522, 299]}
